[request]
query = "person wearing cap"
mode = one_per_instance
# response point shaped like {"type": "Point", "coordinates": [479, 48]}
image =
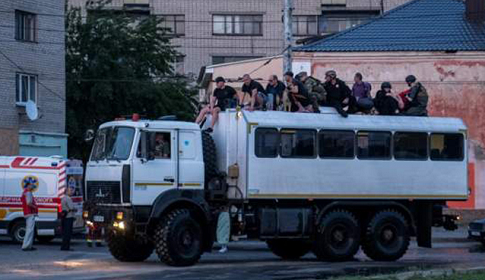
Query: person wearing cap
{"type": "Point", "coordinates": [298, 95]}
{"type": "Point", "coordinates": [315, 90]}
{"type": "Point", "coordinates": [417, 97]}
{"type": "Point", "coordinates": [68, 215]}
{"type": "Point", "coordinates": [30, 212]}
{"type": "Point", "coordinates": [386, 102]}
{"type": "Point", "coordinates": [338, 93]}
{"type": "Point", "coordinates": [221, 98]}
{"type": "Point", "coordinates": [255, 91]}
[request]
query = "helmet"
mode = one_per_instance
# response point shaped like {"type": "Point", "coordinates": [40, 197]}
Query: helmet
{"type": "Point", "coordinates": [386, 85]}
{"type": "Point", "coordinates": [410, 79]}
{"type": "Point", "coordinates": [331, 73]}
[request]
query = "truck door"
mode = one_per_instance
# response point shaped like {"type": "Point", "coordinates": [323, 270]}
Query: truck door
{"type": "Point", "coordinates": [157, 175]}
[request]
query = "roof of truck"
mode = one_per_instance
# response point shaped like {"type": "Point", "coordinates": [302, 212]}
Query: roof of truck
{"type": "Point", "coordinates": [153, 124]}
{"type": "Point", "coordinates": [332, 120]}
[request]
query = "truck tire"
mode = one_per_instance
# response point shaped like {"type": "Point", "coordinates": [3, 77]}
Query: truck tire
{"type": "Point", "coordinates": [17, 232]}
{"type": "Point", "coordinates": [338, 237]}
{"type": "Point", "coordinates": [387, 236]}
{"type": "Point", "coordinates": [178, 239]}
{"type": "Point", "coordinates": [289, 249]}
{"type": "Point", "coordinates": [127, 248]}
{"type": "Point", "coordinates": [210, 156]}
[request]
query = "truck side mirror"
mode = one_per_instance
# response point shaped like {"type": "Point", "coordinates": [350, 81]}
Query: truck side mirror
{"type": "Point", "coordinates": [89, 135]}
{"type": "Point", "coordinates": [147, 147]}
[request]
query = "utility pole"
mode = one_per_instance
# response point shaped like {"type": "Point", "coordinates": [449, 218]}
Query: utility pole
{"type": "Point", "coordinates": [287, 21]}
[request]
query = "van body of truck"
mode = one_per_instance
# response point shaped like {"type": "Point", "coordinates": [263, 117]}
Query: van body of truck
{"type": "Point", "coordinates": [51, 176]}
{"type": "Point", "coordinates": [300, 182]}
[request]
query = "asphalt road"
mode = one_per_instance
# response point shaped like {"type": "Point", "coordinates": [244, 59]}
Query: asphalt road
{"type": "Point", "coordinates": [245, 260]}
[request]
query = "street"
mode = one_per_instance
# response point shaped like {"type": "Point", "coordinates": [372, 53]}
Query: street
{"type": "Point", "coordinates": [245, 260]}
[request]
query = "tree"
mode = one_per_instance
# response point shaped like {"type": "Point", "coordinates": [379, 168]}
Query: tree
{"type": "Point", "coordinates": [117, 65]}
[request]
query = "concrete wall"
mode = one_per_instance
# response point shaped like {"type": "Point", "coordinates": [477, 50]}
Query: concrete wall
{"type": "Point", "coordinates": [44, 58]}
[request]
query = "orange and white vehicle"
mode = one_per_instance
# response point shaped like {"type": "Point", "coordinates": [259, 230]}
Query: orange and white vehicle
{"type": "Point", "coordinates": [51, 176]}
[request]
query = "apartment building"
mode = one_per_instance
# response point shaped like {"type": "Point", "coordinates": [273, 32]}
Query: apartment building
{"type": "Point", "coordinates": [220, 31]}
{"type": "Point", "coordinates": [32, 68]}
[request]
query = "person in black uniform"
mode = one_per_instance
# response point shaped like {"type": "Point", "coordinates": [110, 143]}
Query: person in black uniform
{"type": "Point", "coordinates": [221, 98]}
{"type": "Point", "coordinates": [255, 91]}
{"type": "Point", "coordinates": [338, 93]}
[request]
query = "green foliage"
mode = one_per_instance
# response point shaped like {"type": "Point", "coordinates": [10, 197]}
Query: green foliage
{"type": "Point", "coordinates": [117, 65]}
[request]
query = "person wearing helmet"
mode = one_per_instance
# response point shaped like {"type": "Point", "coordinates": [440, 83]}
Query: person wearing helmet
{"type": "Point", "coordinates": [386, 102]}
{"type": "Point", "coordinates": [417, 97]}
{"type": "Point", "coordinates": [220, 99]}
{"type": "Point", "coordinates": [338, 93]}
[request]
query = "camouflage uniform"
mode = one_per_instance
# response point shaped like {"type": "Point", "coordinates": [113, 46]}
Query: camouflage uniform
{"type": "Point", "coordinates": [316, 92]}
{"type": "Point", "coordinates": [419, 101]}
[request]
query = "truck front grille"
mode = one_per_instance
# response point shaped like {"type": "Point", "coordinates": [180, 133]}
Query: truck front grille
{"type": "Point", "coordinates": [104, 191]}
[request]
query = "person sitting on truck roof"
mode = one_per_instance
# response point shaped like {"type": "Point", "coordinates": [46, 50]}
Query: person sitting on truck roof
{"type": "Point", "coordinates": [162, 146]}
{"type": "Point", "coordinates": [315, 90]}
{"type": "Point", "coordinates": [386, 102]}
{"type": "Point", "coordinates": [417, 97]}
{"type": "Point", "coordinates": [298, 95]}
{"type": "Point", "coordinates": [361, 100]}
{"type": "Point", "coordinates": [338, 93]}
{"type": "Point", "coordinates": [255, 91]}
{"type": "Point", "coordinates": [274, 91]}
{"type": "Point", "coordinates": [223, 96]}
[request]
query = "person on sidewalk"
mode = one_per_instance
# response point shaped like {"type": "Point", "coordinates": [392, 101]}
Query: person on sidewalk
{"type": "Point", "coordinates": [68, 210]}
{"type": "Point", "coordinates": [30, 212]}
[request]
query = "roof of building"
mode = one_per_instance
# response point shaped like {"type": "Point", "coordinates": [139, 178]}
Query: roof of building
{"type": "Point", "coordinates": [419, 25]}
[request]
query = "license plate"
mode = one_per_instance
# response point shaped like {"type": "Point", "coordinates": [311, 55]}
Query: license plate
{"type": "Point", "coordinates": [474, 233]}
{"type": "Point", "coordinates": [99, 219]}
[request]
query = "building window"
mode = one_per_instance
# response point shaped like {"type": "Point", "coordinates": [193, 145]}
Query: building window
{"type": "Point", "coordinates": [267, 142]}
{"type": "Point", "coordinates": [25, 26]}
{"type": "Point", "coordinates": [298, 143]}
{"type": "Point", "coordinates": [446, 146]}
{"type": "Point", "coordinates": [305, 25]}
{"type": "Point", "coordinates": [26, 88]}
{"type": "Point", "coordinates": [332, 22]}
{"type": "Point", "coordinates": [410, 145]}
{"type": "Point", "coordinates": [178, 65]}
{"type": "Point", "coordinates": [336, 144]}
{"type": "Point", "coordinates": [237, 24]}
{"type": "Point", "coordinates": [227, 59]}
{"type": "Point", "coordinates": [373, 145]}
{"type": "Point", "coordinates": [175, 24]}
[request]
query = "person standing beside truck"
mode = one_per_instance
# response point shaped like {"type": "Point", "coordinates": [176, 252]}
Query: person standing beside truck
{"type": "Point", "coordinates": [68, 210]}
{"type": "Point", "coordinates": [30, 212]}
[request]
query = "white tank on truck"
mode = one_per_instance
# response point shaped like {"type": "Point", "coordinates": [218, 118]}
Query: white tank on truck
{"type": "Point", "coordinates": [299, 182]}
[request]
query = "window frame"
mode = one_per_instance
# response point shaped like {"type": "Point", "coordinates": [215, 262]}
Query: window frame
{"type": "Point", "coordinates": [137, 148]}
{"type": "Point", "coordinates": [18, 88]}
{"type": "Point", "coordinates": [20, 30]}
{"type": "Point", "coordinates": [354, 147]}
{"type": "Point", "coordinates": [426, 158]}
{"type": "Point", "coordinates": [256, 142]}
{"type": "Point", "coordinates": [304, 18]}
{"type": "Point", "coordinates": [315, 146]}
{"type": "Point", "coordinates": [175, 31]}
{"type": "Point", "coordinates": [463, 143]}
{"type": "Point", "coordinates": [242, 21]}
{"type": "Point", "coordinates": [391, 148]}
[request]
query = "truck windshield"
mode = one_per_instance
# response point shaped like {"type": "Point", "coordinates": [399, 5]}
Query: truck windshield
{"type": "Point", "coordinates": [113, 143]}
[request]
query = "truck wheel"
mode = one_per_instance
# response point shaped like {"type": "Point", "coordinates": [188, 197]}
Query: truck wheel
{"type": "Point", "coordinates": [338, 238]}
{"type": "Point", "coordinates": [210, 156]}
{"type": "Point", "coordinates": [127, 248]}
{"type": "Point", "coordinates": [387, 236]}
{"type": "Point", "coordinates": [178, 239]}
{"type": "Point", "coordinates": [45, 238]}
{"type": "Point", "coordinates": [17, 233]}
{"type": "Point", "coordinates": [289, 249]}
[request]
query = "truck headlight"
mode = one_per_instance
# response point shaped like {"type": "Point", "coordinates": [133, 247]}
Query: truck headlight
{"type": "Point", "coordinates": [119, 215]}
{"type": "Point", "coordinates": [85, 214]}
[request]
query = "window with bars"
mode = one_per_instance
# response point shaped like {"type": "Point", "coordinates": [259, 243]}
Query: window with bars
{"type": "Point", "coordinates": [305, 25]}
{"type": "Point", "coordinates": [25, 26]}
{"type": "Point", "coordinates": [26, 88]}
{"type": "Point", "coordinates": [175, 24]}
{"type": "Point", "coordinates": [237, 24]}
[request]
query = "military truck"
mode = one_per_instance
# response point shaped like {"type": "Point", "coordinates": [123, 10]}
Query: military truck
{"type": "Point", "coordinates": [300, 182]}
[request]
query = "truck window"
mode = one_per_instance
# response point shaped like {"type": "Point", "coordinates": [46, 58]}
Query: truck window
{"type": "Point", "coordinates": [373, 145]}
{"type": "Point", "coordinates": [410, 146]}
{"type": "Point", "coordinates": [267, 142]}
{"type": "Point", "coordinates": [161, 147]}
{"type": "Point", "coordinates": [446, 146]}
{"type": "Point", "coordinates": [298, 143]}
{"type": "Point", "coordinates": [113, 143]}
{"type": "Point", "coordinates": [336, 144]}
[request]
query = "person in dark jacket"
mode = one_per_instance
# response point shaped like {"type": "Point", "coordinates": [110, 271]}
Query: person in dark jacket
{"type": "Point", "coordinates": [274, 91]}
{"type": "Point", "coordinates": [297, 94]}
{"type": "Point", "coordinates": [387, 103]}
{"type": "Point", "coordinates": [338, 93]}
{"type": "Point", "coordinates": [417, 97]}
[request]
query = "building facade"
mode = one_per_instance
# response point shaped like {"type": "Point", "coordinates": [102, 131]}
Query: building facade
{"type": "Point", "coordinates": [220, 31]}
{"type": "Point", "coordinates": [32, 68]}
